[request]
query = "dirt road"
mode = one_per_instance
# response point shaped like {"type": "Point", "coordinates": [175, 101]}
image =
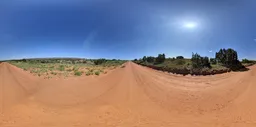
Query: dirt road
{"type": "Point", "coordinates": [133, 96]}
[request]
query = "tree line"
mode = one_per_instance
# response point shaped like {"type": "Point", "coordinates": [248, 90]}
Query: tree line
{"type": "Point", "coordinates": [224, 57]}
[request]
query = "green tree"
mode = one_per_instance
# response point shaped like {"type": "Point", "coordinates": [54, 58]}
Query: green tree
{"type": "Point", "coordinates": [150, 59]}
{"type": "Point", "coordinates": [199, 62]}
{"type": "Point", "coordinates": [100, 61]}
{"type": "Point", "coordinates": [246, 61]}
{"type": "Point", "coordinates": [179, 57]}
{"type": "Point", "coordinates": [196, 60]}
{"type": "Point", "coordinates": [144, 58]}
{"type": "Point", "coordinates": [213, 61]}
{"type": "Point", "coordinates": [160, 58]}
{"type": "Point", "coordinates": [227, 57]}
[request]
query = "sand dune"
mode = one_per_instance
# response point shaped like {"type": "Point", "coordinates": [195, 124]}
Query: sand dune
{"type": "Point", "coordinates": [128, 97]}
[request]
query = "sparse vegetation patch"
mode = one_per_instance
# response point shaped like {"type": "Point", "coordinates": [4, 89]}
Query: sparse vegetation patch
{"type": "Point", "coordinates": [66, 67]}
{"type": "Point", "coordinates": [226, 60]}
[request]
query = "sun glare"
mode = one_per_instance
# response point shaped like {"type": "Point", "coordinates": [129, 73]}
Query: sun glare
{"type": "Point", "coordinates": [189, 25]}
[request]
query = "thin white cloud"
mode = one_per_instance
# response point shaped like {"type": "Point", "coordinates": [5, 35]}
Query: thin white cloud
{"type": "Point", "coordinates": [210, 50]}
{"type": "Point", "coordinates": [89, 40]}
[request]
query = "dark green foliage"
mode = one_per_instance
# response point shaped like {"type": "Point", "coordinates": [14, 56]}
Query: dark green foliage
{"type": "Point", "coordinates": [135, 60]}
{"type": "Point", "coordinates": [247, 61]}
{"type": "Point", "coordinates": [180, 62]}
{"type": "Point", "coordinates": [205, 62]}
{"type": "Point", "coordinates": [179, 57]}
{"type": "Point", "coordinates": [227, 57]}
{"type": "Point", "coordinates": [200, 62]}
{"type": "Point", "coordinates": [226, 60]}
{"type": "Point", "coordinates": [78, 73]}
{"type": "Point", "coordinates": [99, 61]}
{"type": "Point", "coordinates": [196, 60]}
{"type": "Point", "coordinates": [150, 59]}
{"type": "Point", "coordinates": [144, 58]}
{"type": "Point", "coordinates": [24, 60]}
{"type": "Point", "coordinates": [231, 57]}
{"type": "Point", "coordinates": [160, 58]}
{"type": "Point", "coordinates": [213, 61]}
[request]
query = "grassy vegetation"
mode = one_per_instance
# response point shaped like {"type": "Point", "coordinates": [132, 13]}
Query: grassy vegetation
{"type": "Point", "coordinates": [225, 61]}
{"type": "Point", "coordinates": [97, 72]}
{"type": "Point", "coordinates": [184, 67]}
{"type": "Point", "coordinates": [88, 73]}
{"type": "Point", "coordinates": [78, 73]}
{"type": "Point", "coordinates": [49, 68]}
{"type": "Point", "coordinates": [248, 63]}
{"type": "Point", "coordinates": [61, 68]}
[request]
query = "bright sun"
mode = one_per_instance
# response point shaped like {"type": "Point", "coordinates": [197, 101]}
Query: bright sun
{"type": "Point", "coordinates": [189, 25]}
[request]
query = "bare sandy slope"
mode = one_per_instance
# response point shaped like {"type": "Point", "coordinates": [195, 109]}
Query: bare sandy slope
{"type": "Point", "coordinates": [133, 96]}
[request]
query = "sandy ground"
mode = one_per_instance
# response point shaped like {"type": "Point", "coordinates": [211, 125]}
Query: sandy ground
{"type": "Point", "coordinates": [133, 96]}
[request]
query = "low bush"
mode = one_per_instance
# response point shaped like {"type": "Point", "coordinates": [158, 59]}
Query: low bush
{"type": "Point", "coordinates": [78, 73]}
{"type": "Point", "coordinates": [53, 73]}
{"type": "Point", "coordinates": [61, 68]}
{"type": "Point", "coordinates": [88, 73]}
{"type": "Point", "coordinates": [179, 62]}
{"type": "Point", "coordinates": [97, 73]}
{"type": "Point", "coordinates": [185, 70]}
{"type": "Point", "coordinates": [99, 61]}
{"type": "Point", "coordinates": [179, 57]}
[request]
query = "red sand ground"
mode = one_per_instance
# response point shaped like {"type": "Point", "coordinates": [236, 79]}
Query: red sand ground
{"type": "Point", "coordinates": [133, 96]}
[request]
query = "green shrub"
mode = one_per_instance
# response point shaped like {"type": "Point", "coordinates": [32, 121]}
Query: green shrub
{"type": "Point", "coordinates": [179, 57]}
{"type": "Point", "coordinates": [99, 61]}
{"type": "Point", "coordinates": [213, 61]}
{"type": "Point", "coordinates": [247, 61]}
{"type": "Point", "coordinates": [61, 68]}
{"type": "Point", "coordinates": [160, 58]}
{"type": "Point", "coordinates": [199, 62]}
{"type": "Point", "coordinates": [91, 70]}
{"type": "Point", "coordinates": [54, 73]}
{"type": "Point", "coordinates": [144, 59]}
{"type": "Point", "coordinates": [150, 59]}
{"type": "Point", "coordinates": [179, 62]}
{"type": "Point", "coordinates": [75, 68]}
{"type": "Point", "coordinates": [97, 73]}
{"type": "Point", "coordinates": [78, 73]}
{"type": "Point", "coordinates": [88, 73]}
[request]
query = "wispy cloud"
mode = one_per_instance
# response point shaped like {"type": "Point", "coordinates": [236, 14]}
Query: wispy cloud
{"type": "Point", "coordinates": [210, 50]}
{"type": "Point", "coordinates": [89, 40]}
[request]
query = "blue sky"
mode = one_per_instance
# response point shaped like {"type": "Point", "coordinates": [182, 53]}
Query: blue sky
{"type": "Point", "coordinates": [125, 29]}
